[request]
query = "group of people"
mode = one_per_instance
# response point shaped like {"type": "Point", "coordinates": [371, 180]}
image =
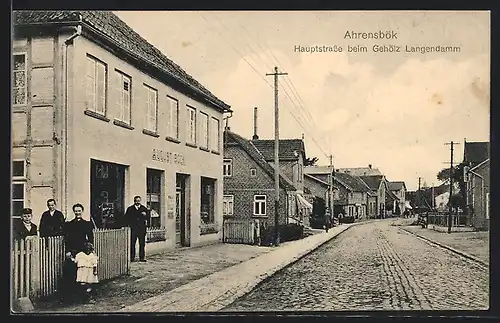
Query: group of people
{"type": "Point", "coordinates": [80, 266]}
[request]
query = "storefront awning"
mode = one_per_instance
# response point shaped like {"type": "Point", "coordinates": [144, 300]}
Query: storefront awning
{"type": "Point", "coordinates": [303, 203]}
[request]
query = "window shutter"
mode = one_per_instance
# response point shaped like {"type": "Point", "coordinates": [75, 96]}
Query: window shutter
{"type": "Point", "coordinates": [101, 88]}
{"type": "Point", "coordinates": [90, 88]}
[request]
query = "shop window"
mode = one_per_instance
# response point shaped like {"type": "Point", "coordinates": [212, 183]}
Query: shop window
{"type": "Point", "coordinates": [253, 172]}
{"type": "Point", "coordinates": [215, 135]}
{"type": "Point", "coordinates": [96, 86]}
{"type": "Point", "coordinates": [19, 83]}
{"type": "Point", "coordinates": [228, 205]}
{"type": "Point", "coordinates": [227, 167]}
{"type": "Point", "coordinates": [259, 205]}
{"type": "Point", "coordinates": [152, 108]}
{"type": "Point", "coordinates": [172, 118]}
{"type": "Point", "coordinates": [204, 130]}
{"type": "Point", "coordinates": [207, 200]}
{"type": "Point", "coordinates": [191, 125]}
{"type": "Point", "coordinates": [153, 197]}
{"type": "Point", "coordinates": [123, 97]}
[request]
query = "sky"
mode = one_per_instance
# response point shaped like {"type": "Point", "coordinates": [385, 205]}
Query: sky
{"type": "Point", "coordinates": [393, 110]}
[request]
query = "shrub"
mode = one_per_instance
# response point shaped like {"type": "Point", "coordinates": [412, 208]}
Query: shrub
{"type": "Point", "coordinates": [287, 232]}
{"type": "Point", "coordinates": [347, 219]}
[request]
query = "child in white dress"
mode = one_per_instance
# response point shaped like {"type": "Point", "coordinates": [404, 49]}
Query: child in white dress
{"type": "Point", "coordinates": [86, 275]}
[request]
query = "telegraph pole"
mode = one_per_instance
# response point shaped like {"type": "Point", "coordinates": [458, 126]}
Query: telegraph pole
{"type": "Point", "coordinates": [276, 157]}
{"type": "Point", "coordinates": [450, 209]}
{"type": "Point", "coordinates": [330, 204]}
{"type": "Point", "coordinates": [418, 195]}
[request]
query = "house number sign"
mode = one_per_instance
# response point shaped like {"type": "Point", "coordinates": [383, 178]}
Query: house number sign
{"type": "Point", "coordinates": [168, 157]}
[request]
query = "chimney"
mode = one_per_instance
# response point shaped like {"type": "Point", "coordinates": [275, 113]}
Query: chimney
{"type": "Point", "coordinates": [370, 166]}
{"type": "Point", "coordinates": [255, 136]}
{"type": "Point", "coordinates": [302, 136]}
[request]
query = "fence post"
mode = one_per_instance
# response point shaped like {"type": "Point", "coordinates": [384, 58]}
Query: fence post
{"type": "Point", "coordinates": [35, 265]}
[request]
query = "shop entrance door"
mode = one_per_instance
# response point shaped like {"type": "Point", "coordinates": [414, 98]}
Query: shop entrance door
{"type": "Point", "coordinates": [107, 194]}
{"type": "Point", "coordinates": [181, 220]}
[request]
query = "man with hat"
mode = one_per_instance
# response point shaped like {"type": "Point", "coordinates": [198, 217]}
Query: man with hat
{"type": "Point", "coordinates": [25, 227]}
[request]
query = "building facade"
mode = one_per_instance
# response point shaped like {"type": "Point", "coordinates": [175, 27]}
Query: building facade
{"type": "Point", "coordinates": [104, 117]}
{"type": "Point", "coordinates": [478, 188]}
{"type": "Point", "coordinates": [398, 188]}
{"type": "Point", "coordinates": [377, 185]}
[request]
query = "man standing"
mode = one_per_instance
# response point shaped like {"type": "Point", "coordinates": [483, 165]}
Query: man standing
{"type": "Point", "coordinates": [77, 233]}
{"type": "Point", "coordinates": [137, 218]}
{"type": "Point", "coordinates": [52, 221]}
{"type": "Point", "coordinates": [25, 227]}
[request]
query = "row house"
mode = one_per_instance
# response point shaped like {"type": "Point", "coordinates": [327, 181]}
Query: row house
{"type": "Point", "coordinates": [477, 186]}
{"type": "Point", "coordinates": [317, 180]}
{"type": "Point", "coordinates": [377, 186]}
{"type": "Point", "coordinates": [398, 188]}
{"type": "Point", "coordinates": [249, 187]}
{"type": "Point", "coordinates": [354, 199]}
{"type": "Point", "coordinates": [100, 115]}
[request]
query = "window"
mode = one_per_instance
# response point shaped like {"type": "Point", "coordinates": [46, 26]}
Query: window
{"type": "Point", "coordinates": [19, 82]}
{"type": "Point", "coordinates": [204, 130]}
{"type": "Point", "coordinates": [259, 205]}
{"type": "Point", "coordinates": [152, 108]}
{"type": "Point", "coordinates": [123, 97]}
{"type": "Point", "coordinates": [153, 196]}
{"type": "Point", "coordinates": [207, 200]}
{"type": "Point", "coordinates": [227, 167]}
{"type": "Point", "coordinates": [253, 172]}
{"type": "Point", "coordinates": [96, 86]}
{"type": "Point", "coordinates": [172, 118]}
{"type": "Point", "coordinates": [18, 176]}
{"type": "Point", "coordinates": [215, 135]}
{"type": "Point", "coordinates": [191, 126]}
{"type": "Point", "coordinates": [227, 205]}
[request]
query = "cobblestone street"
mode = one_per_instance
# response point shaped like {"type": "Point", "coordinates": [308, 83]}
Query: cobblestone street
{"type": "Point", "coordinates": [373, 267]}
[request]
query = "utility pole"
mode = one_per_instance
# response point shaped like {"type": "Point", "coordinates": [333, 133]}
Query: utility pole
{"type": "Point", "coordinates": [450, 208]}
{"type": "Point", "coordinates": [276, 157]}
{"type": "Point", "coordinates": [418, 192]}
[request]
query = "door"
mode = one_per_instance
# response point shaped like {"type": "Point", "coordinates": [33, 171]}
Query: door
{"type": "Point", "coordinates": [181, 219]}
{"type": "Point", "coordinates": [178, 216]}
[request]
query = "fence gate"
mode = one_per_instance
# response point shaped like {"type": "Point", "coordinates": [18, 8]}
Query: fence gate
{"type": "Point", "coordinates": [240, 231]}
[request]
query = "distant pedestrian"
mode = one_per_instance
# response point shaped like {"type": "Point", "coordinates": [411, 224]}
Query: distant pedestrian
{"type": "Point", "coordinates": [24, 228]}
{"type": "Point", "coordinates": [137, 219]}
{"type": "Point", "coordinates": [52, 221]}
{"type": "Point", "coordinates": [86, 275]}
{"type": "Point", "coordinates": [77, 233]}
{"type": "Point", "coordinates": [328, 222]}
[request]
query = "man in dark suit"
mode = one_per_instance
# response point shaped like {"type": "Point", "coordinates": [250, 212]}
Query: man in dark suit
{"type": "Point", "coordinates": [25, 227]}
{"type": "Point", "coordinates": [52, 221]}
{"type": "Point", "coordinates": [137, 218]}
{"type": "Point", "coordinates": [77, 233]}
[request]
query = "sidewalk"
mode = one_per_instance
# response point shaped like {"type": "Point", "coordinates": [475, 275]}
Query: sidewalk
{"type": "Point", "coordinates": [218, 290]}
{"type": "Point", "coordinates": [475, 244]}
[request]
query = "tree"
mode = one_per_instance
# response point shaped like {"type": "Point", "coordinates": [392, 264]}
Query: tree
{"type": "Point", "coordinates": [458, 177]}
{"type": "Point", "coordinates": [310, 161]}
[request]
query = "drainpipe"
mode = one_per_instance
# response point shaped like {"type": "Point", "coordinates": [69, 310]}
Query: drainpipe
{"type": "Point", "coordinates": [69, 40]}
{"type": "Point", "coordinates": [482, 192]}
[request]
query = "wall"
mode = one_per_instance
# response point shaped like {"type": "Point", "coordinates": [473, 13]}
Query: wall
{"type": "Point", "coordinates": [479, 220]}
{"type": "Point", "coordinates": [104, 140]}
{"type": "Point", "coordinates": [243, 187]}
{"type": "Point", "coordinates": [293, 170]}
{"type": "Point", "coordinates": [371, 206]}
{"type": "Point", "coordinates": [36, 125]}
{"type": "Point", "coordinates": [317, 189]}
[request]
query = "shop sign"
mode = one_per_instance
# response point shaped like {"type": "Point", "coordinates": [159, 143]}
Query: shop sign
{"type": "Point", "coordinates": [168, 157]}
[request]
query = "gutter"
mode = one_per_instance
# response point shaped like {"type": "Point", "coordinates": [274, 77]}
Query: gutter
{"type": "Point", "coordinates": [67, 42]}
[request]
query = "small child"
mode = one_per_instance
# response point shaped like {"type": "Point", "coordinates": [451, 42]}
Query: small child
{"type": "Point", "coordinates": [86, 275]}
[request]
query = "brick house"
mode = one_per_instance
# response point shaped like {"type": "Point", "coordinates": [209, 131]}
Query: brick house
{"type": "Point", "coordinates": [377, 185]}
{"type": "Point", "coordinates": [100, 115]}
{"type": "Point", "coordinates": [249, 191]}
{"type": "Point", "coordinates": [355, 200]}
{"type": "Point", "coordinates": [478, 188]}
{"type": "Point", "coordinates": [398, 188]}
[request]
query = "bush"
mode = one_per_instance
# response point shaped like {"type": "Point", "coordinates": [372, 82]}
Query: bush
{"type": "Point", "coordinates": [287, 232]}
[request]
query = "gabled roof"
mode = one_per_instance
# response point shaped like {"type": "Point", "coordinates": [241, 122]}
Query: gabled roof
{"type": "Point", "coordinates": [316, 179]}
{"type": "Point", "coordinates": [480, 165]}
{"type": "Point", "coordinates": [396, 186]}
{"type": "Point", "coordinates": [389, 194]}
{"type": "Point", "coordinates": [353, 181]}
{"type": "Point", "coordinates": [476, 152]}
{"type": "Point", "coordinates": [360, 171]}
{"type": "Point", "coordinates": [250, 149]}
{"type": "Point", "coordinates": [289, 149]}
{"type": "Point", "coordinates": [373, 182]}
{"type": "Point", "coordinates": [106, 25]}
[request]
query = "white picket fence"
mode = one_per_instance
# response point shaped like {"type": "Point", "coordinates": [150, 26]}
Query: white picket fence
{"type": "Point", "coordinates": [37, 263]}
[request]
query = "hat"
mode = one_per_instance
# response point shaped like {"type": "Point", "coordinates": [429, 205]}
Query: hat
{"type": "Point", "coordinates": [27, 211]}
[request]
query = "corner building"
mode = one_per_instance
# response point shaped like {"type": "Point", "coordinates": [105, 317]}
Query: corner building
{"type": "Point", "coordinates": [100, 115]}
